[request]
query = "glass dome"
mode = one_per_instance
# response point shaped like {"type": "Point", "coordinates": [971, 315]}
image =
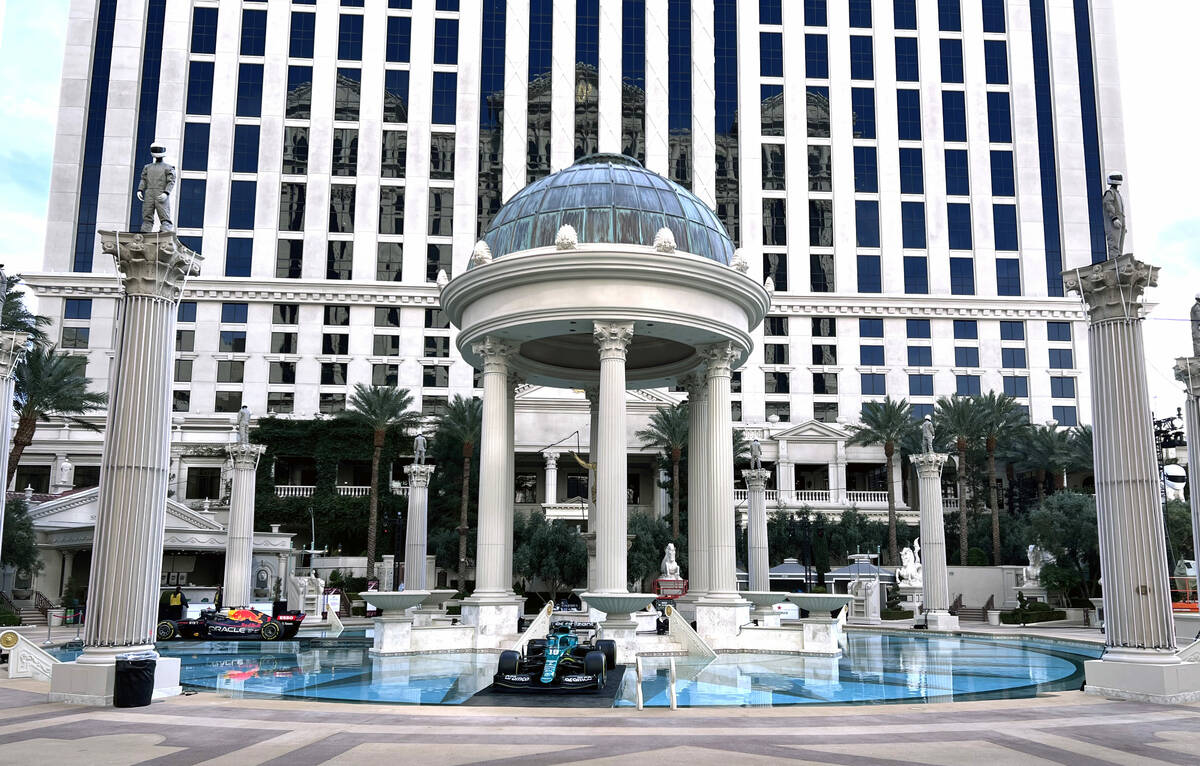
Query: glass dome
{"type": "Point", "coordinates": [608, 198]}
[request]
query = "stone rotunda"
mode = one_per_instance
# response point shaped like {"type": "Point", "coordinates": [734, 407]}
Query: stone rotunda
{"type": "Point", "coordinates": [605, 276]}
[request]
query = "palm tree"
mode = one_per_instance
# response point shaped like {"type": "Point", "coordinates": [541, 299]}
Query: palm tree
{"type": "Point", "coordinates": [668, 431]}
{"type": "Point", "coordinates": [1080, 457]}
{"type": "Point", "coordinates": [380, 408]}
{"type": "Point", "coordinates": [15, 316]}
{"type": "Point", "coordinates": [956, 419]}
{"type": "Point", "coordinates": [888, 423]}
{"type": "Point", "coordinates": [1045, 450]}
{"type": "Point", "coordinates": [49, 382]}
{"type": "Point", "coordinates": [1001, 419]}
{"type": "Point", "coordinates": [462, 423]}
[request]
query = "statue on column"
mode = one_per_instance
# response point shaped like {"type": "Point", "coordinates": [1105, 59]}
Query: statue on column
{"type": "Point", "coordinates": [154, 190]}
{"type": "Point", "coordinates": [66, 472]}
{"type": "Point", "coordinates": [927, 434]}
{"type": "Point", "coordinates": [243, 425]}
{"type": "Point", "coordinates": [669, 568]}
{"type": "Point", "coordinates": [910, 573]}
{"type": "Point", "coordinates": [755, 455]}
{"type": "Point", "coordinates": [1114, 216]}
{"type": "Point", "coordinates": [419, 449]}
{"type": "Point", "coordinates": [1196, 326]}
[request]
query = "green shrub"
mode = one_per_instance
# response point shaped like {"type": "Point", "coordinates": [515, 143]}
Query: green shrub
{"type": "Point", "coordinates": [977, 558]}
{"type": "Point", "coordinates": [1032, 615]}
{"type": "Point", "coordinates": [895, 614]}
{"type": "Point", "coordinates": [8, 619]}
{"type": "Point", "coordinates": [1039, 606]}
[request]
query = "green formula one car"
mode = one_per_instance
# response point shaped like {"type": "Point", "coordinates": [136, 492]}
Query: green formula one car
{"type": "Point", "coordinates": [566, 660]}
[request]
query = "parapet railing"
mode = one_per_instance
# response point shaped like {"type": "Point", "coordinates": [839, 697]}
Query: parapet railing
{"type": "Point", "coordinates": [538, 628]}
{"type": "Point", "coordinates": [682, 632]}
{"type": "Point", "coordinates": [25, 658]}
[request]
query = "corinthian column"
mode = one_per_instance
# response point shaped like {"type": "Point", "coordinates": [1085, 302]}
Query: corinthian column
{"type": "Point", "coordinates": [935, 581]}
{"type": "Point", "coordinates": [756, 528]}
{"type": "Point", "coordinates": [417, 535]}
{"type": "Point", "coordinates": [722, 573]}
{"type": "Point", "coordinates": [593, 396]}
{"type": "Point", "coordinates": [612, 510]}
{"type": "Point", "coordinates": [12, 349]}
{"type": "Point", "coordinates": [122, 605]}
{"type": "Point", "coordinates": [551, 458]}
{"type": "Point", "coordinates": [239, 540]}
{"type": "Point", "coordinates": [698, 500]}
{"type": "Point", "coordinates": [1187, 371]}
{"type": "Point", "coordinates": [510, 469]}
{"type": "Point", "coordinates": [490, 547]}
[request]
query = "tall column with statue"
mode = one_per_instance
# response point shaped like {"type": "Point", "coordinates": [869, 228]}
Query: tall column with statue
{"type": "Point", "coordinates": [1187, 372]}
{"type": "Point", "coordinates": [935, 582]}
{"type": "Point", "coordinates": [417, 532]}
{"type": "Point", "coordinates": [239, 541]}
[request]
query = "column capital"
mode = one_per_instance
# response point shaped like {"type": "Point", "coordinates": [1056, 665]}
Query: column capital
{"type": "Point", "coordinates": [515, 380]}
{"type": "Point", "coordinates": [152, 264]}
{"type": "Point", "coordinates": [719, 358]}
{"type": "Point", "coordinates": [244, 455]}
{"type": "Point", "coordinates": [613, 338]}
{"type": "Point", "coordinates": [418, 474]}
{"type": "Point", "coordinates": [12, 350]}
{"type": "Point", "coordinates": [593, 395]}
{"type": "Point", "coordinates": [495, 353]}
{"type": "Point", "coordinates": [695, 385]}
{"type": "Point", "coordinates": [929, 464]}
{"type": "Point", "coordinates": [551, 458]}
{"type": "Point", "coordinates": [1187, 372]}
{"type": "Point", "coordinates": [1112, 289]}
{"type": "Point", "coordinates": [756, 478]}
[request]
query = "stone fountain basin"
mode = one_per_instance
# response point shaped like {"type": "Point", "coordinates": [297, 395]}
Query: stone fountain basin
{"type": "Point", "coordinates": [618, 603]}
{"type": "Point", "coordinates": [392, 602]}
{"type": "Point", "coordinates": [763, 598]}
{"type": "Point", "coordinates": [820, 602]}
{"type": "Point", "coordinates": [438, 598]}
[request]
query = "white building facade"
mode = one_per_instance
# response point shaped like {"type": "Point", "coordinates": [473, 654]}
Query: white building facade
{"type": "Point", "coordinates": [910, 175]}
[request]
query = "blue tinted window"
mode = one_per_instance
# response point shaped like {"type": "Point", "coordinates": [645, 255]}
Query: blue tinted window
{"type": "Point", "coordinates": [908, 63]}
{"type": "Point", "coordinates": [249, 92]}
{"type": "Point", "coordinates": [1016, 385]}
{"type": "Point", "coordinates": [866, 222]}
{"type": "Point", "coordinates": [862, 58]}
{"type": "Point", "coordinates": [920, 385]}
{"type": "Point", "coordinates": [447, 5]}
{"type": "Point", "coordinates": [1062, 388]}
{"type": "Point", "coordinates": [966, 329]}
{"type": "Point", "coordinates": [77, 308]}
{"type": "Point", "coordinates": [1004, 183]}
{"type": "Point", "coordinates": [1008, 276]}
{"type": "Point", "coordinates": [820, 222]}
{"type": "Point", "coordinates": [195, 146]}
{"type": "Point", "coordinates": [237, 262]}
{"type": "Point", "coordinates": [395, 95]}
{"type": "Point", "coordinates": [254, 32]}
{"type": "Point", "coordinates": [204, 30]}
{"type": "Point", "coordinates": [1058, 330]}
{"type": "Point", "coordinates": [999, 118]}
{"type": "Point", "coordinates": [770, 54]}
{"type": "Point", "coordinates": [186, 311]}
{"type": "Point", "coordinates": [1012, 330]}
{"type": "Point", "coordinates": [954, 115]}
{"type": "Point", "coordinates": [995, 61]}
{"type": "Point", "coordinates": [1012, 358]}
{"type": "Point", "coordinates": [816, 56]}
{"type": "Point", "coordinates": [1061, 358]}
{"type": "Point", "coordinates": [912, 219]}
{"type": "Point", "coordinates": [303, 35]}
{"type": "Point", "coordinates": [904, 14]}
{"type": "Point", "coordinates": [299, 92]}
{"type": "Point", "coordinates": [200, 87]}
{"type": "Point", "coordinates": [949, 16]}
{"type": "Point", "coordinates": [866, 169]}
{"type": "Point", "coordinates": [445, 86]}
{"type": "Point", "coordinates": [908, 112]}
{"type": "Point", "coordinates": [679, 88]}
{"type": "Point", "coordinates": [912, 172]}
{"type": "Point", "coordinates": [234, 313]}
{"type": "Point", "coordinates": [958, 173]}
{"type": "Point", "coordinates": [870, 328]}
{"type": "Point", "coordinates": [1042, 89]}
{"type": "Point", "coordinates": [993, 16]}
{"type": "Point", "coordinates": [241, 204]}
{"type": "Point", "coordinates": [1089, 115]}
{"type": "Point", "coordinates": [355, 3]}
{"type": "Point", "coordinates": [966, 385]}
{"type": "Point", "coordinates": [774, 222]}
{"type": "Point", "coordinates": [920, 356]}
{"type": "Point", "coordinates": [399, 38]}
{"type": "Point", "coordinates": [962, 276]}
{"type": "Point", "coordinates": [815, 13]}
{"type": "Point", "coordinates": [1066, 416]}
{"type": "Point", "coordinates": [958, 225]}
{"type": "Point", "coordinates": [870, 277]}
{"type": "Point", "coordinates": [966, 356]}
{"type": "Point", "coordinates": [860, 14]}
{"type": "Point", "coordinates": [916, 275]}
{"type": "Point", "coordinates": [445, 41]}
{"type": "Point", "coordinates": [952, 60]}
{"type": "Point", "coordinates": [818, 111]}
{"type": "Point", "coordinates": [191, 203]}
{"type": "Point", "coordinates": [917, 328]}
{"type": "Point", "coordinates": [350, 37]}
{"type": "Point", "coordinates": [770, 11]}
{"type": "Point", "coordinates": [245, 148]}
{"type": "Point", "coordinates": [874, 384]}
{"type": "Point", "coordinates": [870, 356]}
{"type": "Point", "coordinates": [862, 102]}
{"type": "Point", "coordinates": [1004, 218]}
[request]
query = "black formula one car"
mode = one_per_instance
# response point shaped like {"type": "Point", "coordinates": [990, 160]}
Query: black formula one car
{"type": "Point", "coordinates": [568, 659]}
{"type": "Point", "coordinates": [232, 624]}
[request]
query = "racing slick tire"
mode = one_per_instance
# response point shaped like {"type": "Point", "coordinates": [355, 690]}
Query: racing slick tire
{"type": "Point", "coordinates": [608, 648]}
{"type": "Point", "coordinates": [535, 646]}
{"type": "Point", "coordinates": [593, 665]}
{"type": "Point", "coordinates": [165, 631]}
{"type": "Point", "coordinates": [510, 662]}
{"type": "Point", "coordinates": [271, 631]}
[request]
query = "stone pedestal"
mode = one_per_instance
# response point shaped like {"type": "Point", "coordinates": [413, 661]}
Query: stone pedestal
{"type": "Point", "coordinates": [415, 541]}
{"type": "Point", "coordinates": [492, 617]}
{"type": "Point", "coordinates": [551, 481]}
{"type": "Point", "coordinates": [756, 529]}
{"type": "Point", "coordinates": [12, 349]}
{"type": "Point", "coordinates": [913, 598]}
{"type": "Point", "coordinates": [239, 545]}
{"type": "Point", "coordinates": [92, 684]}
{"type": "Point", "coordinates": [392, 635]}
{"type": "Point", "coordinates": [1187, 371]}
{"type": "Point", "coordinates": [934, 578]}
{"type": "Point", "coordinates": [387, 575]}
{"type": "Point", "coordinates": [718, 621]}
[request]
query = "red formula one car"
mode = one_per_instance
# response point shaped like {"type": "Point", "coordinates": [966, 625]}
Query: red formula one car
{"type": "Point", "coordinates": [232, 624]}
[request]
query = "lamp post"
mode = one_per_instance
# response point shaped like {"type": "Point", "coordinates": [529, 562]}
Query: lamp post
{"type": "Point", "coordinates": [1168, 434]}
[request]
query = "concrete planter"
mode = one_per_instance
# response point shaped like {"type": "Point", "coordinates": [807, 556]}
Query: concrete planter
{"type": "Point", "coordinates": [1075, 614]}
{"type": "Point", "coordinates": [55, 616]}
{"type": "Point", "coordinates": [993, 617]}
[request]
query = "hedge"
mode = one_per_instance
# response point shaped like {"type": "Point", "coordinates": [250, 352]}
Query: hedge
{"type": "Point", "coordinates": [895, 614]}
{"type": "Point", "coordinates": [1031, 616]}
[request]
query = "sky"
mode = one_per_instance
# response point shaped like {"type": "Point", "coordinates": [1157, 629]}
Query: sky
{"type": "Point", "coordinates": [1158, 58]}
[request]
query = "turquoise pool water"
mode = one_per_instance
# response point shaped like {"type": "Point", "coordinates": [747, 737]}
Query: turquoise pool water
{"type": "Point", "coordinates": [874, 668]}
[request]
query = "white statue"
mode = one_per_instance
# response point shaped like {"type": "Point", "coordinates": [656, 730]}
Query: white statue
{"type": "Point", "coordinates": [442, 279]}
{"type": "Point", "coordinates": [419, 449]}
{"type": "Point", "coordinates": [670, 567]}
{"type": "Point", "coordinates": [739, 262]}
{"type": "Point", "coordinates": [927, 434]}
{"type": "Point", "coordinates": [664, 240]}
{"type": "Point", "coordinates": [567, 238]}
{"type": "Point", "coordinates": [1038, 557]}
{"type": "Point", "coordinates": [66, 473]}
{"type": "Point", "coordinates": [910, 571]}
{"type": "Point", "coordinates": [243, 425]}
{"type": "Point", "coordinates": [755, 454]}
{"type": "Point", "coordinates": [769, 285]}
{"type": "Point", "coordinates": [482, 254]}
{"type": "Point", "coordinates": [1195, 315]}
{"type": "Point", "coordinates": [1114, 216]}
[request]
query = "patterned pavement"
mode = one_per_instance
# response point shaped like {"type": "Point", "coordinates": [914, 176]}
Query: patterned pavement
{"type": "Point", "coordinates": [1064, 728]}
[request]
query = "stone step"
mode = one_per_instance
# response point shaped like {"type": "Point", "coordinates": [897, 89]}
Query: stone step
{"type": "Point", "coordinates": [31, 616]}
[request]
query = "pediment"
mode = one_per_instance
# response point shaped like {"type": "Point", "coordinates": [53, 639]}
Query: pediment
{"type": "Point", "coordinates": [812, 430]}
{"type": "Point", "coordinates": [76, 509]}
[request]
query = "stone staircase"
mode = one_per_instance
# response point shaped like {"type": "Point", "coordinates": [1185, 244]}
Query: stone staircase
{"type": "Point", "coordinates": [31, 616]}
{"type": "Point", "coordinates": [654, 645]}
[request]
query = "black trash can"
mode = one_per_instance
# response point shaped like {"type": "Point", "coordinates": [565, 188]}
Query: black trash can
{"type": "Point", "coordinates": [134, 684]}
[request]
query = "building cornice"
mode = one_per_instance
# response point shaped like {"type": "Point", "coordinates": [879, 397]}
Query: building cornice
{"type": "Point", "coordinates": [956, 306]}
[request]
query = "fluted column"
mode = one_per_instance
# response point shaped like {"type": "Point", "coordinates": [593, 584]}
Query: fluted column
{"type": "Point", "coordinates": [697, 527]}
{"type": "Point", "coordinates": [1187, 371]}
{"type": "Point", "coordinates": [756, 528]}
{"type": "Point", "coordinates": [510, 470]}
{"type": "Point", "coordinates": [131, 505]}
{"type": "Point", "coordinates": [612, 509]}
{"type": "Point", "coordinates": [490, 581]}
{"type": "Point", "coordinates": [551, 494]}
{"type": "Point", "coordinates": [593, 396]}
{"type": "Point", "coordinates": [935, 580]}
{"type": "Point", "coordinates": [239, 540]}
{"type": "Point", "coordinates": [722, 558]}
{"type": "Point", "coordinates": [417, 532]}
{"type": "Point", "coordinates": [1137, 600]}
{"type": "Point", "coordinates": [68, 567]}
{"type": "Point", "coordinates": [12, 350]}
